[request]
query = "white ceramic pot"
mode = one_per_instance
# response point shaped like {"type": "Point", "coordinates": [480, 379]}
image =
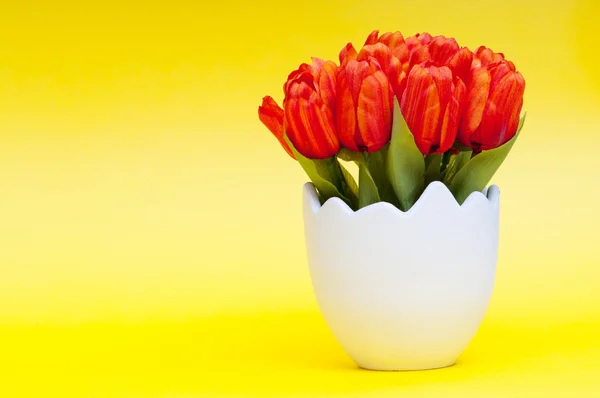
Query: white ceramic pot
{"type": "Point", "coordinates": [403, 290]}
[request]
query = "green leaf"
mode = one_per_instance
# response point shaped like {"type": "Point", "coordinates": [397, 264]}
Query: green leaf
{"type": "Point", "coordinates": [349, 156]}
{"type": "Point", "coordinates": [321, 174]}
{"type": "Point", "coordinates": [455, 165]}
{"type": "Point", "coordinates": [367, 190]}
{"type": "Point", "coordinates": [405, 163]}
{"type": "Point", "coordinates": [350, 188]}
{"type": "Point", "coordinates": [479, 170]}
{"type": "Point", "coordinates": [432, 167]}
{"type": "Point", "coordinates": [376, 163]}
{"type": "Point", "coordinates": [445, 161]}
{"type": "Point", "coordinates": [521, 123]}
{"type": "Point", "coordinates": [460, 147]}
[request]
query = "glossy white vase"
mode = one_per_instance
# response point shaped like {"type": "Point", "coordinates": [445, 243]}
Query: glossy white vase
{"type": "Point", "coordinates": [403, 290]}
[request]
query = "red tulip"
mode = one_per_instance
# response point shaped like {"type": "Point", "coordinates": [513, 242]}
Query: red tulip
{"type": "Point", "coordinates": [309, 107]}
{"type": "Point", "coordinates": [394, 41]}
{"type": "Point", "coordinates": [324, 77]}
{"type": "Point", "coordinates": [440, 50]}
{"type": "Point", "coordinates": [391, 53]}
{"type": "Point", "coordinates": [431, 106]}
{"type": "Point", "coordinates": [308, 111]}
{"type": "Point", "coordinates": [364, 105]}
{"type": "Point", "coordinates": [272, 116]}
{"type": "Point", "coordinates": [493, 102]}
{"type": "Point", "coordinates": [389, 64]}
{"type": "Point", "coordinates": [446, 51]}
{"type": "Point", "coordinates": [415, 50]}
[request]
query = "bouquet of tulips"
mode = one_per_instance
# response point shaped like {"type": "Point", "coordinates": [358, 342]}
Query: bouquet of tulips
{"type": "Point", "coordinates": [407, 111]}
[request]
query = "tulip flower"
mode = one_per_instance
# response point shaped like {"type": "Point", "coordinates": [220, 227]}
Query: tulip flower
{"type": "Point", "coordinates": [309, 107]}
{"type": "Point", "coordinates": [389, 64]}
{"type": "Point", "coordinates": [394, 41]}
{"type": "Point", "coordinates": [324, 77]}
{"type": "Point", "coordinates": [493, 102]}
{"type": "Point", "coordinates": [440, 50]}
{"type": "Point", "coordinates": [391, 53]}
{"type": "Point", "coordinates": [404, 54]}
{"type": "Point", "coordinates": [308, 111]}
{"type": "Point", "coordinates": [272, 116]}
{"type": "Point", "coordinates": [446, 51]}
{"type": "Point", "coordinates": [364, 105]}
{"type": "Point", "coordinates": [431, 106]}
{"type": "Point", "coordinates": [450, 100]}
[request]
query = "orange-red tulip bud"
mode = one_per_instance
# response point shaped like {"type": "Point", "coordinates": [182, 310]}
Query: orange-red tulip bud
{"type": "Point", "coordinates": [309, 107]}
{"type": "Point", "coordinates": [271, 115]}
{"type": "Point", "coordinates": [364, 105]}
{"type": "Point", "coordinates": [493, 102]}
{"type": "Point", "coordinates": [431, 106]}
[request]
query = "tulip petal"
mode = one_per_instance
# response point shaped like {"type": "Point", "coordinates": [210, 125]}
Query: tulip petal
{"type": "Point", "coordinates": [294, 127]}
{"type": "Point", "coordinates": [486, 57]}
{"type": "Point", "coordinates": [501, 115]}
{"type": "Point", "coordinates": [294, 74]}
{"type": "Point", "coordinates": [372, 38]}
{"type": "Point", "coordinates": [417, 56]}
{"type": "Point", "coordinates": [388, 63]}
{"type": "Point", "coordinates": [326, 83]}
{"type": "Point", "coordinates": [347, 54]}
{"type": "Point", "coordinates": [317, 65]}
{"type": "Point", "coordinates": [424, 38]}
{"type": "Point", "coordinates": [452, 117]}
{"type": "Point", "coordinates": [477, 95]}
{"type": "Point", "coordinates": [442, 77]}
{"type": "Point", "coordinates": [345, 113]}
{"type": "Point", "coordinates": [418, 50]}
{"type": "Point", "coordinates": [310, 128]}
{"type": "Point", "coordinates": [302, 86]}
{"type": "Point", "coordinates": [395, 42]}
{"type": "Point", "coordinates": [380, 52]}
{"type": "Point", "coordinates": [397, 77]}
{"type": "Point", "coordinates": [328, 140]}
{"type": "Point", "coordinates": [498, 71]}
{"type": "Point", "coordinates": [442, 49]}
{"type": "Point", "coordinates": [421, 107]}
{"type": "Point", "coordinates": [271, 115]}
{"type": "Point", "coordinates": [460, 63]}
{"type": "Point", "coordinates": [356, 71]}
{"type": "Point", "coordinates": [374, 112]}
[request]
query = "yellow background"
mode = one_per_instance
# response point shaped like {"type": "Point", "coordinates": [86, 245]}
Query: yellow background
{"type": "Point", "coordinates": [151, 239]}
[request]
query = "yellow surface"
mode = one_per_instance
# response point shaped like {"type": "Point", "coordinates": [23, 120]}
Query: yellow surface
{"type": "Point", "coordinates": [150, 228]}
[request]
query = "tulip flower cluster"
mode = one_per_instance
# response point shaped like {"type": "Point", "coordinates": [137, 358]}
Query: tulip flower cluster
{"type": "Point", "coordinates": [408, 111]}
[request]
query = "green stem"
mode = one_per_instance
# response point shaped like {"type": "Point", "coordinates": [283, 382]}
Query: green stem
{"type": "Point", "coordinates": [449, 166]}
{"type": "Point", "coordinates": [326, 175]}
{"type": "Point", "coordinates": [445, 160]}
{"type": "Point", "coordinates": [376, 162]}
